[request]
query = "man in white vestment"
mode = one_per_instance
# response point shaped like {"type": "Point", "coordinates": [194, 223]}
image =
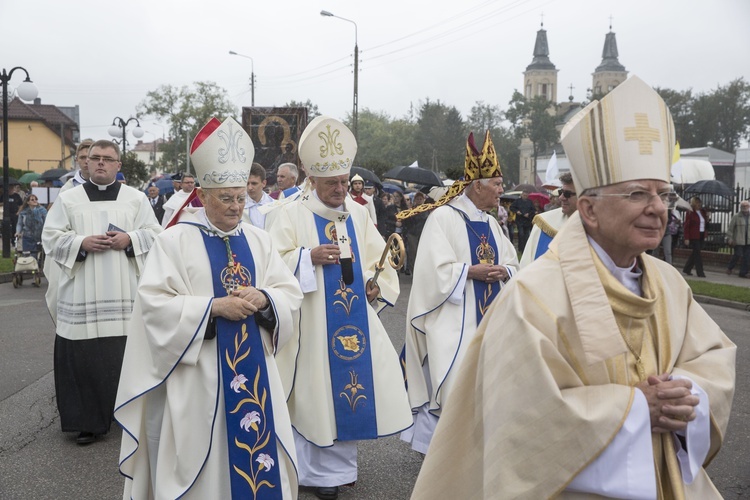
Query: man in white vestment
{"type": "Point", "coordinates": [462, 262]}
{"type": "Point", "coordinates": [51, 269]}
{"type": "Point", "coordinates": [595, 374]}
{"type": "Point", "coordinates": [178, 199]}
{"type": "Point", "coordinates": [547, 224]}
{"type": "Point", "coordinates": [341, 371]}
{"type": "Point", "coordinates": [200, 400]}
{"type": "Point", "coordinates": [256, 197]}
{"type": "Point", "coordinates": [98, 233]}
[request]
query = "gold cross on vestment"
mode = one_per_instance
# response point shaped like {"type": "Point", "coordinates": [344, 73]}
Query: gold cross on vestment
{"type": "Point", "coordinates": [642, 133]}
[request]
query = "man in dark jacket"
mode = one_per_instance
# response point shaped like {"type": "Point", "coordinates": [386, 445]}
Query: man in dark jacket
{"type": "Point", "coordinates": [525, 212]}
{"type": "Point", "coordinates": [156, 201]}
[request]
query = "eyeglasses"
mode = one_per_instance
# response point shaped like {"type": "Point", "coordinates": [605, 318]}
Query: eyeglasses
{"type": "Point", "coordinates": [642, 198]}
{"type": "Point", "coordinates": [230, 200]}
{"type": "Point", "coordinates": [567, 194]}
{"type": "Point", "coordinates": [105, 159]}
{"type": "Point", "coordinates": [33, 199]}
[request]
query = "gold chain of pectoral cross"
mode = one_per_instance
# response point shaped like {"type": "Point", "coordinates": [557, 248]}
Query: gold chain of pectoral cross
{"type": "Point", "coordinates": [638, 361]}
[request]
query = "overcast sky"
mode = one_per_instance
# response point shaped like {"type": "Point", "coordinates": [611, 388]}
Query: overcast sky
{"type": "Point", "coordinates": [104, 56]}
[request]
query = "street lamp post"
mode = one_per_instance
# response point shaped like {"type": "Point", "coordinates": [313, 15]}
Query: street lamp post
{"type": "Point", "coordinates": [325, 13]}
{"type": "Point", "coordinates": [118, 130]}
{"type": "Point", "coordinates": [252, 75]}
{"type": "Point", "coordinates": [28, 92]}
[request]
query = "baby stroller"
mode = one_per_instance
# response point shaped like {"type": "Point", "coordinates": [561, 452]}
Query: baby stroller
{"type": "Point", "coordinates": [27, 264]}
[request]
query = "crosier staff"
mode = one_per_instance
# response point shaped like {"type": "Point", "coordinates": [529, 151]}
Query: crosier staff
{"type": "Point", "coordinates": [395, 252]}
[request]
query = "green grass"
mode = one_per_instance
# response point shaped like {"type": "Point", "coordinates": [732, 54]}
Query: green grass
{"type": "Point", "coordinates": [726, 292]}
{"type": "Point", "coordinates": [6, 265]}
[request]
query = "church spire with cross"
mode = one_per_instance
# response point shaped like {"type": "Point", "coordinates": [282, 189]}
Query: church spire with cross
{"type": "Point", "coordinates": [610, 73]}
{"type": "Point", "coordinates": [540, 77]}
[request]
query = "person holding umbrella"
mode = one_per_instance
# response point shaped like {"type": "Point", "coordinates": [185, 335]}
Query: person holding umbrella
{"type": "Point", "coordinates": [696, 224]}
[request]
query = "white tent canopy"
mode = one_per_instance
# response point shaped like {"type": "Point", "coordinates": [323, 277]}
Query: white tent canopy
{"type": "Point", "coordinates": [690, 171]}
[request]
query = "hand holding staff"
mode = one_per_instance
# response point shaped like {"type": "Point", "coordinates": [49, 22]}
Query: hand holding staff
{"type": "Point", "coordinates": [395, 252]}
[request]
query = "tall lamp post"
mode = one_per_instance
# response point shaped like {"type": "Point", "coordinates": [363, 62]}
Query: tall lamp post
{"type": "Point", "coordinates": [325, 13]}
{"type": "Point", "coordinates": [252, 75]}
{"type": "Point", "coordinates": [28, 92]}
{"type": "Point", "coordinates": [118, 130]}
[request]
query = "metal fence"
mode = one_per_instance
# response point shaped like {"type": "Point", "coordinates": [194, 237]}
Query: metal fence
{"type": "Point", "coordinates": [722, 211]}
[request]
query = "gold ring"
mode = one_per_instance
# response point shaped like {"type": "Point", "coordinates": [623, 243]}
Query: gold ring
{"type": "Point", "coordinates": [330, 257]}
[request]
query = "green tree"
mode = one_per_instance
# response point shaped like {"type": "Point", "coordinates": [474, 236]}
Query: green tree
{"type": "Point", "coordinates": [506, 145]}
{"type": "Point", "coordinates": [731, 114]}
{"type": "Point", "coordinates": [384, 142]}
{"type": "Point", "coordinates": [534, 120]}
{"type": "Point", "coordinates": [680, 104]}
{"type": "Point", "coordinates": [134, 170]}
{"type": "Point", "coordinates": [186, 109]}
{"type": "Point", "coordinates": [484, 117]}
{"type": "Point", "coordinates": [441, 136]}
{"type": "Point", "coordinates": [312, 109]}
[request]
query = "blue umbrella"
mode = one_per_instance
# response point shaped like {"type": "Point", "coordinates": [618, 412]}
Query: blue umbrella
{"type": "Point", "coordinates": [165, 186]}
{"type": "Point", "coordinates": [392, 188]}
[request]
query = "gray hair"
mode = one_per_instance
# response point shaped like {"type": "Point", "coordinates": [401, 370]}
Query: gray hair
{"type": "Point", "coordinates": [292, 169]}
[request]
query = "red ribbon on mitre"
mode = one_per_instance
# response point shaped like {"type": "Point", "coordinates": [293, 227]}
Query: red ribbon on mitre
{"type": "Point", "coordinates": [204, 133]}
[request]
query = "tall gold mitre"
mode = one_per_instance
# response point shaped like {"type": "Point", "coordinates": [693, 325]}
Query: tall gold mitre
{"type": "Point", "coordinates": [222, 154]}
{"type": "Point", "coordinates": [327, 147]}
{"type": "Point", "coordinates": [627, 135]}
{"type": "Point", "coordinates": [477, 165]}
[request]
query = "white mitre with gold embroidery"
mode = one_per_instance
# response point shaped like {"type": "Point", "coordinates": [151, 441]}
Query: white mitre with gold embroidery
{"type": "Point", "coordinates": [222, 154]}
{"type": "Point", "coordinates": [327, 147]}
{"type": "Point", "coordinates": [627, 135]}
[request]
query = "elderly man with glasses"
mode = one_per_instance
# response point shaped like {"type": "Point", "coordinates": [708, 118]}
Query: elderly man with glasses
{"type": "Point", "coordinates": [596, 374]}
{"type": "Point", "coordinates": [98, 233]}
{"type": "Point", "coordinates": [200, 396]}
{"type": "Point", "coordinates": [547, 224]}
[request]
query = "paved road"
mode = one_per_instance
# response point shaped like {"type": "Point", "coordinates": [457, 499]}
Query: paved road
{"type": "Point", "coordinates": [38, 461]}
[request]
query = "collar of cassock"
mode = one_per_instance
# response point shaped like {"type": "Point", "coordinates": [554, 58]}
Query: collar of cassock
{"type": "Point", "coordinates": [200, 214]}
{"type": "Point", "coordinates": [103, 187]}
{"type": "Point", "coordinates": [336, 215]}
{"type": "Point", "coordinates": [627, 276]}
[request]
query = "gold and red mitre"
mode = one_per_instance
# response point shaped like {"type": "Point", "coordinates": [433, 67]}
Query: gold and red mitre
{"type": "Point", "coordinates": [477, 165]}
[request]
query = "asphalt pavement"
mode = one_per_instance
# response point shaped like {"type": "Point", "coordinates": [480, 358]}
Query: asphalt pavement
{"type": "Point", "coordinates": [38, 461]}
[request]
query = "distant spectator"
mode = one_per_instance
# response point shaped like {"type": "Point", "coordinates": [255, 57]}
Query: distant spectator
{"type": "Point", "coordinates": [31, 218]}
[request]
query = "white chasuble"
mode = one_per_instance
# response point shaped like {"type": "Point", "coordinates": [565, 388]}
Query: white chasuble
{"type": "Point", "coordinates": [174, 440]}
{"type": "Point", "coordinates": [304, 360]}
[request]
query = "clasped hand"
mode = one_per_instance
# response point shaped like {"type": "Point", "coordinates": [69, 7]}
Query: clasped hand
{"type": "Point", "coordinates": [112, 240]}
{"type": "Point", "coordinates": [327, 253]}
{"type": "Point", "coordinates": [239, 305]}
{"type": "Point", "coordinates": [489, 273]}
{"type": "Point", "coordinates": [670, 402]}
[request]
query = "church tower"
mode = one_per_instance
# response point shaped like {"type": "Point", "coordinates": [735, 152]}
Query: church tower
{"type": "Point", "coordinates": [610, 73]}
{"type": "Point", "coordinates": [540, 77]}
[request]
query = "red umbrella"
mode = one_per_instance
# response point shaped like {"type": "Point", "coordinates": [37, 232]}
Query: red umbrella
{"type": "Point", "coordinates": [542, 198]}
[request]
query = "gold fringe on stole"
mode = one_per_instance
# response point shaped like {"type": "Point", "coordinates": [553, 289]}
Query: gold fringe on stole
{"type": "Point", "coordinates": [544, 226]}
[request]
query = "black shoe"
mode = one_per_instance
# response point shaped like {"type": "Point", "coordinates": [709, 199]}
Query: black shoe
{"type": "Point", "coordinates": [701, 275]}
{"type": "Point", "coordinates": [327, 492]}
{"type": "Point", "coordinates": [687, 272]}
{"type": "Point", "coordinates": [85, 438]}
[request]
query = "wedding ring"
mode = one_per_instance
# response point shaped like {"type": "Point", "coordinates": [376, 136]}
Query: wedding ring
{"type": "Point", "coordinates": [330, 257]}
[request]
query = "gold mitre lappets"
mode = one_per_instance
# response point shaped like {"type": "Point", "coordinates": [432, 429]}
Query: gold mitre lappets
{"type": "Point", "coordinates": [222, 154]}
{"type": "Point", "coordinates": [477, 165]}
{"type": "Point", "coordinates": [327, 147]}
{"type": "Point", "coordinates": [627, 135]}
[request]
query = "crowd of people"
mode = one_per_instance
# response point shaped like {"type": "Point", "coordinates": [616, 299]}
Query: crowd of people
{"type": "Point", "coordinates": [233, 330]}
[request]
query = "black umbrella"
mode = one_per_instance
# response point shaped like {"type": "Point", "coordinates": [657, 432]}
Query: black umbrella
{"type": "Point", "coordinates": [12, 181]}
{"type": "Point", "coordinates": [710, 186]}
{"type": "Point", "coordinates": [367, 175]}
{"type": "Point", "coordinates": [415, 175]}
{"type": "Point", "coordinates": [53, 175]}
{"type": "Point", "coordinates": [527, 187]}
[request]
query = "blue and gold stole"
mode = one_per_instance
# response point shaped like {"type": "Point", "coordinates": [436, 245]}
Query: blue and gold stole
{"type": "Point", "coordinates": [251, 435]}
{"type": "Point", "coordinates": [483, 251]}
{"type": "Point", "coordinates": [543, 244]}
{"type": "Point", "coordinates": [349, 356]}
